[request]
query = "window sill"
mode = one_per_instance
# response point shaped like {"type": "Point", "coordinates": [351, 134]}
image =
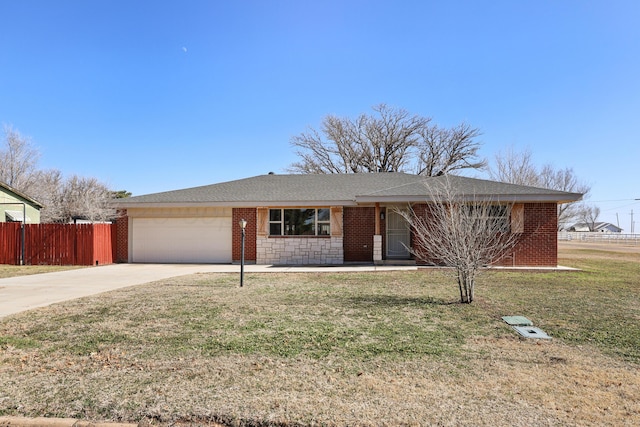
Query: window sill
{"type": "Point", "coordinates": [301, 236]}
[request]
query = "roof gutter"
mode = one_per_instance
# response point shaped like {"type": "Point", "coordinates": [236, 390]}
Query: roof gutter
{"type": "Point", "coordinates": [498, 198]}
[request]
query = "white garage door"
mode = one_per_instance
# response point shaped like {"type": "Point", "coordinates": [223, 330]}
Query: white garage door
{"type": "Point", "coordinates": [181, 240]}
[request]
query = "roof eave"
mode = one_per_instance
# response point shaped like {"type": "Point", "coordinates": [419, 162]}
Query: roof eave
{"type": "Point", "coordinates": [20, 195]}
{"type": "Point", "coordinates": [236, 204]}
{"type": "Point", "coordinates": [498, 198]}
{"type": "Point", "coordinates": [502, 198]}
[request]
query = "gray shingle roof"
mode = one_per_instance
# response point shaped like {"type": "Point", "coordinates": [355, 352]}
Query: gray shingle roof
{"type": "Point", "coordinates": [337, 189]}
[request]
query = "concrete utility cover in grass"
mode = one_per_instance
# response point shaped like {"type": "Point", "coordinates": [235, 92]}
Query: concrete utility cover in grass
{"type": "Point", "coordinates": [517, 321]}
{"type": "Point", "coordinates": [531, 332]}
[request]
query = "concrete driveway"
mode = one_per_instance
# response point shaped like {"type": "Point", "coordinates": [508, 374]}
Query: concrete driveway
{"type": "Point", "coordinates": [38, 290]}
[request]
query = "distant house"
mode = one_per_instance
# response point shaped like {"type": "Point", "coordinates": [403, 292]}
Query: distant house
{"type": "Point", "coordinates": [319, 219]}
{"type": "Point", "coordinates": [18, 207]}
{"type": "Point", "coordinates": [598, 227]}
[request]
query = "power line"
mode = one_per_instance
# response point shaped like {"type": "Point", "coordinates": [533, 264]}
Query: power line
{"type": "Point", "coordinates": [618, 207]}
{"type": "Point", "coordinates": [617, 200]}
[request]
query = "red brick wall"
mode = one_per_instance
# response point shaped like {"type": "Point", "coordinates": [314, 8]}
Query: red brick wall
{"type": "Point", "coordinates": [422, 257]}
{"type": "Point", "coordinates": [121, 241]}
{"type": "Point", "coordinates": [383, 231]}
{"type": "Point", "coordinates": [538, 245]}
{"type": "Point", "coordinates": [249, 214]}
{"type": "Point", "coordinates": [359, 227]}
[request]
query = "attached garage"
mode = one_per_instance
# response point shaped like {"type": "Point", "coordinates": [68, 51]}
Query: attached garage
{"type": "Point", "coordinates": [193, 239]}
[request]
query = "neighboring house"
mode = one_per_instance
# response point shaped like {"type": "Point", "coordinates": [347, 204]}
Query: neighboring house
{"type": "Point", "coordinates": [14, 205]}
{"type": "Point", "coordinates": [598, 227]}
{"type": "Point", "coordinates": [317, 219]}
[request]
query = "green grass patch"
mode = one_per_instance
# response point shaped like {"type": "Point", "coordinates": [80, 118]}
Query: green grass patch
{"type": "Point", "coordinates": [335, 349]}
{"type": "Point", "coordinates": [18, 342]}
{"type": "Point", "coordinates": [350, 315]}
{"type": "Point", "coordinates": [598, 305]}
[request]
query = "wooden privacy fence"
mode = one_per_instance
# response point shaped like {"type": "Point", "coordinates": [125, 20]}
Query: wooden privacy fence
{"type": "Point", "coordinates": [57, 244]}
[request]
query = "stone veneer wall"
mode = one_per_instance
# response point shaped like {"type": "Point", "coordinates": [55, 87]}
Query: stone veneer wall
{"type": "Point", "coordinates": [299, 250]}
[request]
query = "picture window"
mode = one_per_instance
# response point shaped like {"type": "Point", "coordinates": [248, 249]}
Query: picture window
{"type": "Point", "coordinates": [300, 222]}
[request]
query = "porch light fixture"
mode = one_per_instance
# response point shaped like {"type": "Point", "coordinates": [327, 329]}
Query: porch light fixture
{"type": "Point", "coordinates": [382, 215]}
{"type": "Point", "coordinates": [243, 226]}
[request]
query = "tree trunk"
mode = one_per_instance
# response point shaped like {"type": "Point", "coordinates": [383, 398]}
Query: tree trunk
{"type": "Point", "coordinates": [461, 287]}
{"type": "Point", "coordinates": [466, 281]}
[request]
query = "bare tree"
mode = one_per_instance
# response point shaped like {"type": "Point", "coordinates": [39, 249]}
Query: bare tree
{"type": "Point", "coordinates": [63, 199]}
{"type": "Point", "coordinates": [518, 168]}
{"type": "Point", "coordinates": [48, 191]}
{"type": "Point", "coordinates": [442, 150]}
{"type": "Point", "coordinates": [588, 214]}
{"type": "Point", "coordinates": [465, 233]}
{"type": "Point", "coordinates": [515, 168]}
{"type": "Point", "coordinates": [564, 180]}
{"type": "Point", "coordinates": [18, 160]}
{"type": "Point", "coordinates": [391, 140]}
{"type": "Point", "coordinates": [87, 199]}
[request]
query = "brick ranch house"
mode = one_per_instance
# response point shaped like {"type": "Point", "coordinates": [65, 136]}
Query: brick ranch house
{"type": "Point", "coordinates": [318, 219]}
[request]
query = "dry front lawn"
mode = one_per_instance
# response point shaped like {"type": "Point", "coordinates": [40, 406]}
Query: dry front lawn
{"type": "Point", "coordinates": [337, 349]}
{"type": "Point", "coordinates": [23, 270]}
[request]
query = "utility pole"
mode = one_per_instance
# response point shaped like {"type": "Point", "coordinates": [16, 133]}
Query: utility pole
{"type": "Point", "coordinates": [632, 224]}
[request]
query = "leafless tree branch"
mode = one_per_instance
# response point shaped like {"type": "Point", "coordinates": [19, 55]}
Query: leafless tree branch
{"type": "Point", "coordinates": [18, 160]}
{"type": "Point", "coordinates": [466, 234]}
{"type": "Point", "coordinates": [518, 168]}
{"type": "Point", "coordinates": [63, 199]}
{"type": "Point", "coordinates": [390, 140]}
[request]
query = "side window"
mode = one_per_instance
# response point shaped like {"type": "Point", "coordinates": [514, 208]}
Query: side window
{"type": "Point", "coordinates": [324, 222]}
{"type": "Point", "coordinates": [275, 222]}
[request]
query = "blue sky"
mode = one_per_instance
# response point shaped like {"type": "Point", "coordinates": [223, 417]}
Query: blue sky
{"type": "Point", "coordinates": [151, 96]}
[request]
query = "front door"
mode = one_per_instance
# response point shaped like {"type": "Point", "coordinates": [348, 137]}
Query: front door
{"type": "Point", "coordinates": [398, 236]}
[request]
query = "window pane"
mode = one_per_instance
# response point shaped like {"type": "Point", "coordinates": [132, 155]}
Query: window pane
{"type": "Point", "coordinates": [324, 214]}
{"type": "Point", "coordinates": [275, 229]}
{"type": "Point", "coordinates": [324, 229]}
{"type": "Point", "coordinates": [298, 222]}
{"type": "Point", "coordinates": [275, 215]}
{"type": "Point", "coordinates": [493, 211]}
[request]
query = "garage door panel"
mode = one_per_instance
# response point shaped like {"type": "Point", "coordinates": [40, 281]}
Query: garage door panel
{"type": "Point", "coordinates": [182, 240]}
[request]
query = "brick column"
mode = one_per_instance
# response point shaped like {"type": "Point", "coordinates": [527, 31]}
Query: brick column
{"type": "Point", "coordinates": [249, 214]}
{"type": "Point", "coordinates": [121, 241]}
